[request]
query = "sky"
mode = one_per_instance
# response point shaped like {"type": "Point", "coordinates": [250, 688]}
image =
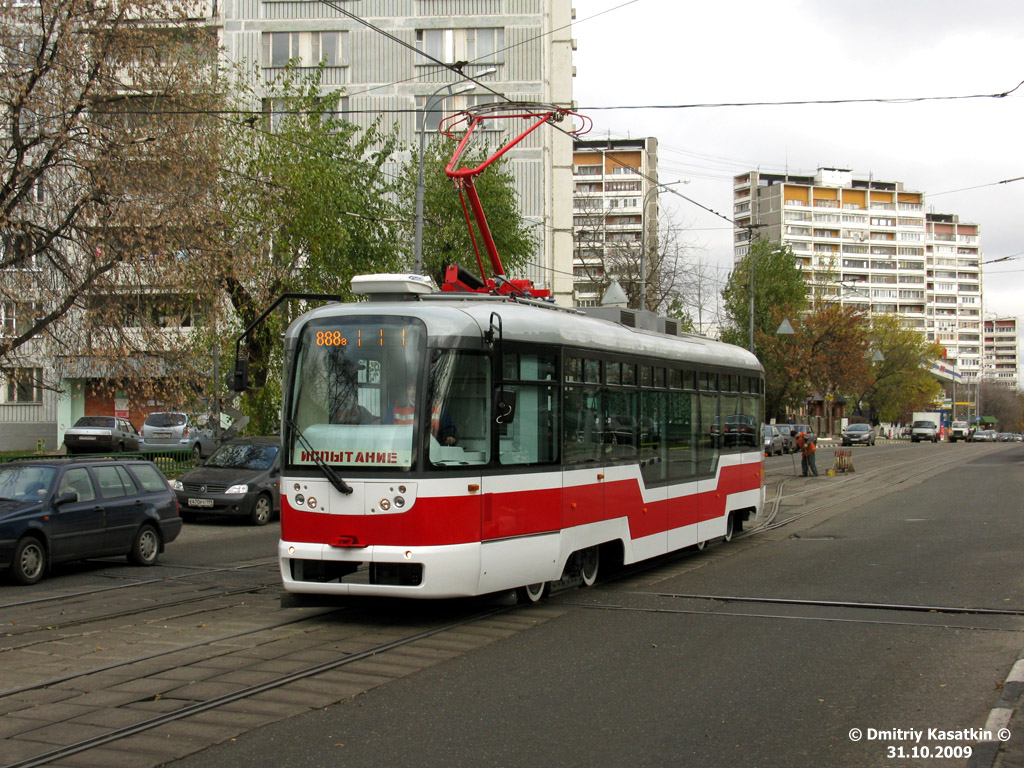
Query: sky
{"type": "Point", "coordinates": [677, 52]}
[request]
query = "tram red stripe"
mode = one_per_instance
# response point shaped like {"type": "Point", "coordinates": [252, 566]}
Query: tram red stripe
{"type": "Point", "coordinates": [466, 519]}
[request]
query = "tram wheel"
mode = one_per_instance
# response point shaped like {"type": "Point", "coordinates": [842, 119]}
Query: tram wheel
{"type": "Point", "coordinates": [590, 559]}
{"type": "Point", "coordinates": [532, 593]}
{"type": "Point", "coordinates": [730, 527]}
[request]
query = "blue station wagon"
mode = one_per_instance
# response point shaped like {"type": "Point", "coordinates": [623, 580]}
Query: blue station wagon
{"type": "Point", "coordinates": [56, 510]}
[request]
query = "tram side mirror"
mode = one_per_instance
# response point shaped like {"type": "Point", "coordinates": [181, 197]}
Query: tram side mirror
{"type": "Point", "coordinates": [504, 406]}
{"type": "Point", "coordinates": [238, 379]}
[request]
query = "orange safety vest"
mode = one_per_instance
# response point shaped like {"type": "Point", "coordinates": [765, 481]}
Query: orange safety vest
{"type": "Point", "coordinates": [403, 415]}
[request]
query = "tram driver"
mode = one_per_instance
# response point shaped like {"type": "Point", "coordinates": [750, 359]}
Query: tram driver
{"type": "Point", "coordinates": [403, 413]}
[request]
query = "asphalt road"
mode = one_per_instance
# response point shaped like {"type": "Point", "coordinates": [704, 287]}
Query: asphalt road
{"type": "Point", "coordinates": [659, 668]}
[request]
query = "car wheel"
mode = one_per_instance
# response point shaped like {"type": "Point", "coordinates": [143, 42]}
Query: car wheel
{"type": "Point", "coordinates": [261, 510]}
{"type": "Point", "coordinates": [29, 562]}
{"type": "Point", "coordinates": [145, 547]}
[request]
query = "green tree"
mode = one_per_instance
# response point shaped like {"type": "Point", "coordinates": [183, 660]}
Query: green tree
{"type": "Point", "coordinates": [897, 385]}
{"type": "Point", "coordinates": [446, 238]}
{"type": "Point", "coordinates": [307, 205]}
{"type": "Point", "coordinates": [779, 292]}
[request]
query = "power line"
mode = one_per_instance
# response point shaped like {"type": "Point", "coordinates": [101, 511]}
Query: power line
{"type": "Point", "coordinates": [877, 100]}
{"type": "Point", "coordinates": [979, 186]}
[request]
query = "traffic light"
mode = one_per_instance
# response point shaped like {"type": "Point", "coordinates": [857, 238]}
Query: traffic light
{"type": "Point", "coordinates": [238, 379]}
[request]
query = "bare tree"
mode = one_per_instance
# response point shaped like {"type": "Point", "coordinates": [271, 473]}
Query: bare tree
{"type": "Point", "coordinates": [105, 184]}
{"type": "Point", "coordinates": [609, 247]}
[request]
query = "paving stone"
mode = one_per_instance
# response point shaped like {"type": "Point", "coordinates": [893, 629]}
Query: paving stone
{"type": "Point", "coordinates": [259, 704]}
{"type": "Point", "coordinates": [278, 666]}
{"type": "Point", "coordinates": [12, 726]}
{"type": "Point", "coordinates": [300, 695]}
{"type": "Point", "coordinates": [16, 750]}
{"type": "Point", "coordinates": [225, 662]}
{"type": "Point", "coordinates": [62, 734]}
{"type": "Point", "coordinates": [187, 673]}
{"type": "Point", "coordinates": [108, 698]}
{"type": "Point", "coordinates": [204, 691]}
{"type": "Point", "coordinates": [347, 676]}
{"type": "Point", "coordinates": [150, 685]}
{"type": "Point", "coordinates": [118, 717]}
{"type": "Point", "coordinates": [33, 698]}
{"type": "Point", "coordinates": [243, 721]}
{"type": "Point", "coordinates": [101, 757]}
{"type": "Point", "coordinates": [161, 704]}
{"type": "Point", "coordinates": [52, 713]}
{"type": "Point", "coordinates": [154, 742]}
{"type": "Point", "coordinates": [246, 677]}
{"type": "Point", "coordinates": [199, 732]}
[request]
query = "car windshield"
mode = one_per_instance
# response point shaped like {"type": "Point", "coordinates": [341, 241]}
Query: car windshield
{"type": "Point", "coordinates": [25, 482]}
{"type": "Point", "coordinates": [95, 421]}
{"type": "Point", "coordinates": [162, 419]}
{"type": "Point", "coordinates": [244, 456]}
{"type": "Point", "coordinates": [857, 428]}
{"type": "Point", "coordinates": [923, 425]}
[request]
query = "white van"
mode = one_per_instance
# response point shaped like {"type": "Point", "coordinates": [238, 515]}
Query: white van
{"type": "Point", "coordinates": [959, 430]}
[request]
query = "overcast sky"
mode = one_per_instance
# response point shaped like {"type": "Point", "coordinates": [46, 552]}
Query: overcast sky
{"type": "Point", "coordinates": [667, 52]}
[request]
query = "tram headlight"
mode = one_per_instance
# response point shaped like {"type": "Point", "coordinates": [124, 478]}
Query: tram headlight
{"type": "Point", "coordinates": [384, 504]}
{"type": "Point", "coordinates": [399, 502]}
{"type": "Point", "coordinates": [311, 501]}
{"type": "Point", "coordinates": [299, 498]}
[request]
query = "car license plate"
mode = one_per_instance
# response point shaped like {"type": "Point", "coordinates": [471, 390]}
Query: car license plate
{"type": "Point", "coordinates": [200, 502]}
{"type": "Point", "coordinates": [164, 434]}
{"type": "Point", "coordinates": [86, 437]}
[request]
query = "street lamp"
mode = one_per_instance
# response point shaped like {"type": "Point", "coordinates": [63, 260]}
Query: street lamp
{"type": "Point", "coordinates": [452, 89]}
{"type": "Point", "coordinates": [643, 236]}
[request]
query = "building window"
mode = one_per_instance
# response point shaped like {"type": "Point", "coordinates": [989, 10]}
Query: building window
{"type": "Point", "coordinates": [478, 46]}
{"type": "Point", "coordinates": [24, 385]}
{"type": "Point", "coordinates": [275, 111]}
{"type": "Point", "coordinates": [442, 107]}
{"type": "Point", "coordinates": [307, 49]}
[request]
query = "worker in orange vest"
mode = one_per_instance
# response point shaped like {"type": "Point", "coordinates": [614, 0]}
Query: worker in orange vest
{"type": "Point", "coordinates": [807, 449]}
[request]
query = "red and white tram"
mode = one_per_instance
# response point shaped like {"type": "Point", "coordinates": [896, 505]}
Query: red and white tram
{"type": "Point", "coordinates": [452, 444]}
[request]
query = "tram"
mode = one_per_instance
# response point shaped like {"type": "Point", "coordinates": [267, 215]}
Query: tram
{"type": "Point", "coordinates": [442, 444]}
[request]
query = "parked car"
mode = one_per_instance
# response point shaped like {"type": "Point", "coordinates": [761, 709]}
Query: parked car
{"type": "Point", "coordinates": [774, 442]}
{"type": "Point", "coordinates": [858, 434]}
{"type": "Point", "coordinates": [242, 477]}
{"type": "Point", "coordinates": [924, 430]}
{"type": "Point", "coordinates": [58, 509]}
{"type": "Point", "coordinates": [176, 431]}
{"type": "Point", "coordinates": [101, 434]}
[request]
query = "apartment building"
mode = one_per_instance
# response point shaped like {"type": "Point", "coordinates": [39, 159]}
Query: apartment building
{"type": "Point", "coordinates": [520, 48]}
{"type": "Point", "coordinates": [615, 212]}
{"type": "Point", "coordinates": [1002, 352]}
{"type": "Point", "coordinates": [869, 243]}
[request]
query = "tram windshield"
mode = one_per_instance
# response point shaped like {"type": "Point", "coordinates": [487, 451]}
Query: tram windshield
{"type": "Point", "coordinates": [355, 392]}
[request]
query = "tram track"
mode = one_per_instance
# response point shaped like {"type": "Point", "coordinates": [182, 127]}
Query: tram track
{"type": "Point", "coordinates": [837, 607]}
{"type": "Point", "coordinates": [191, 571]}
{"type": "Point", "coordinates": [307, 672]}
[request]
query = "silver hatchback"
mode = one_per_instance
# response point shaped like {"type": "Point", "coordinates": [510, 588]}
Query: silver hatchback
{"type": "Point", "coordinates": [176, 431]}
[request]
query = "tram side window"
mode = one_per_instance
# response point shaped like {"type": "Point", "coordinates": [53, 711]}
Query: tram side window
{"type": "Point", "coordinates": [582, 420]}
{"type": "Point", "coordinates": [680, 435]}
{"type": "Point", "coordinates": [751, 407]}
{"type": "Point", "coordinates": [710, 435]}
{"type": "Point", "coordinates": [621, 424]}
{"type": "Point", "coordinates": [460, 388]}
{"type": "Point", "coordinates": [653, 447]}
{"type": "Point", "coordinates": [532, 437]}
{"type": "Point", "coordinates": [733, 424]}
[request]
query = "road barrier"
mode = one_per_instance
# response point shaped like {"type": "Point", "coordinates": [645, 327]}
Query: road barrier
{"type": "Point", "coordinates": [843, 461]}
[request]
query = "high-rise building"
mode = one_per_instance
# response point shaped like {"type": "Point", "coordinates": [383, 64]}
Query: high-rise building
{"type": "Point", "coordinates": [522, 49]}
{"type": "Point", "coordinates": [615, 214]}
{"type": "Point", "coordinates": [1001, 350]}
{"type": "Point", "coordinates": [869, 243]}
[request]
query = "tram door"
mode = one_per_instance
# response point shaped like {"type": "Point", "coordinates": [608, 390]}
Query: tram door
{"type": "Point", "coordinates": [584, 461]}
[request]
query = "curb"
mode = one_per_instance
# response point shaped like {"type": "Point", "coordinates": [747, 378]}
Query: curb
{"type": "Point", "coordinates": [987, 752]}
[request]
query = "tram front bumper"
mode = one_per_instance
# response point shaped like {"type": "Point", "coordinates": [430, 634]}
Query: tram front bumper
{"type": "Point", "coordinates": [437, 572]}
